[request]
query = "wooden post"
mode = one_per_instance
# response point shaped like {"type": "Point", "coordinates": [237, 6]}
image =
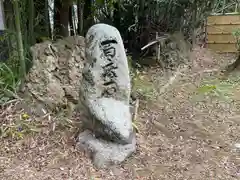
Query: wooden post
{"type": "Point", "coordinates": [2, 24]}
{"type": "Point", "coordinates": [158, 51]}
{"type": "Point", "coordinates": [4, 48]}
{"type": "Point", "coordinates": [157, 47]}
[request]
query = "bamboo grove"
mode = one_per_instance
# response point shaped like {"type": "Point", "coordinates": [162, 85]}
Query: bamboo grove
{"type": "Point", "coordinates": [32, 21]}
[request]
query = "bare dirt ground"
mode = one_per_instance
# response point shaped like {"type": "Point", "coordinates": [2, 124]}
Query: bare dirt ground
{"type": "Point", "coordinates": [191, 131]}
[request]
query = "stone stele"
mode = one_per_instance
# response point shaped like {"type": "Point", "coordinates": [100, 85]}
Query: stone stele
{"type": "Point", "coordinates": [105, 94]}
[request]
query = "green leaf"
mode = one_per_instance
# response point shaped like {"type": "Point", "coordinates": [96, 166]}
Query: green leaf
{"type": "Point", "coordinates": [206, 88]}
{"type": "Point", "coordinates": [99, 2]}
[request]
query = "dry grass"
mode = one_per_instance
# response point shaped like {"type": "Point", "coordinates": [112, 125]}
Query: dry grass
{"type": "Point", "coordinates": [187, 133]}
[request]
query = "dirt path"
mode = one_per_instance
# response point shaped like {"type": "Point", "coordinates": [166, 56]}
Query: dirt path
{"type": "Point", "coordinates": [191, 132]}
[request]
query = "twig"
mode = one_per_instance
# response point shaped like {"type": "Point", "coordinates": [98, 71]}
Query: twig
{"type": "Point", "coordinates": [149, 44]}
{"type": "Point", "coordinates": [135, 113]}
{"type": "Point", "coordinates": [12, 101]}
{"type": "Point", "coordinates": [154, 42]}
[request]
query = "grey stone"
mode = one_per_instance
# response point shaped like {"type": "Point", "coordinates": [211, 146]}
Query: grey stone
{"type": "Point", "coordinates": [55, 77]}
{"type": "Point", "coordinates": [107, 64]}
{"type": "Point", "coordinates": [104, 153]}
{"type": "Point", "coordinates": [105, 89]}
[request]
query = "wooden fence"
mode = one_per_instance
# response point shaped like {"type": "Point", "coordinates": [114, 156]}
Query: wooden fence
{"type": "Point", "coordinates": [220, 30]}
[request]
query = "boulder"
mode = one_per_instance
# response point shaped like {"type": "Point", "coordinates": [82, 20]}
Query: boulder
{"type": "Point", "coordinates": [55, 77]}
{"type": "Point", "coordinates": [105, 92]}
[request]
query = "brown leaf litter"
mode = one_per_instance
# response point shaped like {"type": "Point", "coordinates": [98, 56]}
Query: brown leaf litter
{"type": "Point", "coordinates": [180, 137]}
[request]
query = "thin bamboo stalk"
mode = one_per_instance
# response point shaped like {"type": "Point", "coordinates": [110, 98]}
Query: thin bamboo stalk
{"type": "Point", "coordinates": [19, 39]}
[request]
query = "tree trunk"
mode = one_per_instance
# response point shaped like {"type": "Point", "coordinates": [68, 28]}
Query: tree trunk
{"type": "Point", "coordinates": [87, 15]}
{"type": "Point", "coordinates": [3, 41]}
{"type": "Point", "coordinates": [4, 49]}
{"type": "Point", "coordinates": [47, 20]}
{"type": "Point", "coordinates": [71, 20]}
{"type": "Point", "coordinates": [193, 23]}
{"type": "Point", "coordinates": [31, 18]}
{"type": "Point", "coordinates": [9, 23]}
{"type": "Point", "coordinates": [61, 17]}
{"type": "Point", "coordinates": [80, 9]}
{"type": "Point", "coordinates": [43, 28]}
{"type": "Point", "coordinates": [117, 16]}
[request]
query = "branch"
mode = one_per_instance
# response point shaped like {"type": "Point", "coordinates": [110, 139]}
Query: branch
{"type": "Point", "coordinates": [154, 42]}
{"type": "Point", "coordinates": [135, 110]}
{"type": "Point", "coordinates": [149, 44]}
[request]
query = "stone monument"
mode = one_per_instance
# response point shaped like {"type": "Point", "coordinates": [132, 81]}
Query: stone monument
{"type": "Point", "coordinates": [104, 97]}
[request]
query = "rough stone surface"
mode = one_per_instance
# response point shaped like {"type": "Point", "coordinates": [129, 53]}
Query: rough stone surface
{"type": "Point", "coordinates": [105, 86]}
{"type": "Point", "coordinates": [56, 74]}
{"type": "Point", "coordinates": [104, 153]}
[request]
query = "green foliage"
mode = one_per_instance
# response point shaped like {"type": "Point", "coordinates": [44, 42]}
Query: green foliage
{"type": "Point", "coordinates": [9, 82]}
{"type": "Point", "coordinates": [140, 83]}
{"type": "Point", "coordinates": [11, 71]}
{"type": "Point", "coordinates": [207, 88]}
{"type": "Point", "coordinates": [220, 89]}
{"type": "Point", "coordinates": [9, 75]}
{"type": "Point", "coordinates": [236, 34]}
{"type": "Point", "coordinates": [143, 86]}
{"type": "Point", "coordinates": [19, 127]}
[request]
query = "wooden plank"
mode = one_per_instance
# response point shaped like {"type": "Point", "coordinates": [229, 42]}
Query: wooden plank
{"type": "Point", "coordinates": [223, 48]}
{"type": "Point", "coordinates": [222, 28]}
{"type": "Point", "coordinates": [221, 38]}
{"type": "Point", "coordinates": [229, 19]}
{"type": "Point", "coordinates": [219, 31]}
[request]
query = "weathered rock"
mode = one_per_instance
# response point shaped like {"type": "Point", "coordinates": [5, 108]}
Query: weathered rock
{"type": "Point", "coordinates": [104, 153]}
{"type": "Point", "coordinates": [105, 86]}
{"type": "Point", "coordinates": [56, 74]}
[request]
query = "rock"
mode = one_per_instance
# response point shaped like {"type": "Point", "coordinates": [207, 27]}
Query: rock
{"type": "Point", "coordinates": [107, 63]}
{"type": "Point", "coordinates": [104, 99]}
{"type": "Point", "coordinates": [106, 85]}
{"type": "Point", "coordinates": [56, 74]}
{"type": "Point", "coordinates": [104, 153]}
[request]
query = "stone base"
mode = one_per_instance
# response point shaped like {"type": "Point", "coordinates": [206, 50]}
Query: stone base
{"type": "Point", "coordinates": [104, 154]}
